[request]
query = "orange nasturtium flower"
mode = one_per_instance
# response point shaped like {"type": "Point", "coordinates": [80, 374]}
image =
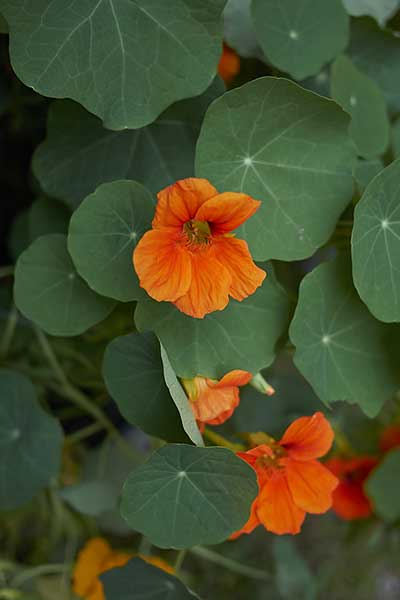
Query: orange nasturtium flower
{"type": "Point", "coordinates": [229, 64]}
{"type": "Point", "coordinates": [390, 438]}
{"type": "Point", "coordinates": [291, 481]}
{"type": "Point", "coordinates": [214, 401]}
{"type": "Point", "coordinates": [190, 257]}
{"type": "Point", "coordinates": [97, 557]}
{"type": "Point", "coordinates": [349, 499]}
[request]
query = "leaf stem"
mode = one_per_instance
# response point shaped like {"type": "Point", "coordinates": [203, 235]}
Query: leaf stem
{"type": "Point", "coordinates": [38, 571]}
{"type": "Point", "coordinates": [9, 331]}
{"type": "Point", "coordinates": [229, 563]}
{"type": "Point", "coordinates": [180, 557]}
{"type": "Point", "coordinates": [219, 440]}
{"type": "Point", "coordinates": [83, 433]}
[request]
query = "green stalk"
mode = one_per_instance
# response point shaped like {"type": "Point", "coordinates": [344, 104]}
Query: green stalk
{"type": "Point", "coordinates": [229, 564]}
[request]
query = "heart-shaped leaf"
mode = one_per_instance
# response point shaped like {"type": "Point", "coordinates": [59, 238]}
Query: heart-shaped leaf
{"type": "Point", "coordinates": [187, 495]}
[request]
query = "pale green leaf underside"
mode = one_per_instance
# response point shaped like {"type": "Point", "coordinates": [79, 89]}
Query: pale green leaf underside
{"type": "Point", "coordinates": [103, 234]}
{"type": "Point", "coordinates": [124, 60]}
{"type": "Point", "coordinates": [181, 400]}
{"type": "Point", "coordinates": [30, 442]}
{"type": "Point", "coordinates": [376, 245]}
{"type": "Point", "coordinates": [133, 373]}
{"type": "Point", "coordinates": [382, 488]}
{"type": "Point", "coordinates": [381, 10]}
{"type": "Point", "coordinates": [362, 99]}
{"type": "Point", "coordinates": [49, 291]}
{"type": "Point", "coordinates": [243, 336]}
{"type": "Point", "coordinates": [300, 37]}
{"type": "Point", "coordinates": [187, 495]}
{"type": "Point", "coordinates": [290, 149]}
{"type": "Point", "coordinates": [340, 348]}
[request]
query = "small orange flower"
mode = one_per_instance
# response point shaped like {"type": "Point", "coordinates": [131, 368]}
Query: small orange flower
{"type": "Point", "coordinates": [214, 401]}
{"type": "Point", "coordinates": [190, 257]}
{"type": "Point", "coordinates": [349, 499]}
{"type": "Point", "coordinates": [291, 481]}
{"type": "Point", "coordinates": [97, 557]}
{"type": "Point", "coordinates": [229, 64]}
{"type": "Point", "coordinates": [390, 438]}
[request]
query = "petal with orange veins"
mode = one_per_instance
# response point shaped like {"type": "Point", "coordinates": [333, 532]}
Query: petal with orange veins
{"type": "Point", "coordinates": [227, 211]}
{"type": "Point", "coordinates": [209, 286]}
{"type": "Point", "coordinates": [179, 202]}
{"type": "Point", "coordinates": [277, 510]}
{"type": "Point", "coordinates": [236, 378]}
{"type": "Point", "coordinates": [163, 265]}
{"type": "Point", "coordinates": [236, 257]}
{"type": "Point", "coordinates": [214, 405]}
{"type": "Point", "coordinates": [308, 437]}
{"type": "Point", "coordinates": [311, 485]}
{"type": "Point", "coordinates": [252, 522]}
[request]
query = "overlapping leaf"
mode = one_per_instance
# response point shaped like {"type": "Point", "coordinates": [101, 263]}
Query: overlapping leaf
{"type": "Point", "coordinates": [287, 147]}
{"type": "Point", "coordinates": [187, 495]}
{"type": "Point", "coordinates": [300, 37]}
{"type": "Point", "coordinates": [79, 153]}
{"type": "Point", "coordinates": [340, 348]}
{"type": "Point", "coordinates": [365, 171]}
{"type": "Point", "coordinates": [382, 488]}
{"type": "Point", "coordinates": [381, 10]}
{"type": "Point", "coordinates": [30, 442]}
{"type": "Point", "coordinates": [103, 233]}
{"type": "Point", "coordinates": [376, 245]}
{"type": "Point", "coordinates": [363, 100]}
{"type": "Point", "coordinates": [49, 291]}
{"type": "Point", "coordinates": [243, 336]}
{"type": "Point", "coordinates": [124, 61]}
{"type": "Point", "coordinates": [47, 215]}
{"type": "Point", "coordinates": [133, 372]}
{"type": "Point", "coordinates": [239, 30]}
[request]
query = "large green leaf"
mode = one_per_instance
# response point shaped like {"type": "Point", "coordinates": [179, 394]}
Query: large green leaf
{"type": "Point", "coordinates": [49, 291]}
{"type": "Point", "coordinates": [396, 138]}
{"type": "Point", "coordinates": [138, 580]}
{"type": "Point", "coordinates": [30, 442]}
{"type": "Point", "coordinates": [376, 52]}
{"type": "Point", "coordinates": [243, 336]}
{"type": "Point", "coordinates": [383, 489]}
{"type": "Point", "coordinates": [79, 153]}
{"type": "Point", "coordinates": [133, 372]}
{"type": "Point", "coordinates": [363, 100]}
{"type": "Point", "coordinates": [376, 245]}
{"type": "Point", "coordinates": [300, 37]}
{"type": "Point", "coordinates": [124, 61]}
{"type": "Point", "coordinates": [381, 10]}
{"type": "Point", "coordinates": [103, 233]}
{"type": "Point", "coordinates": [47, 215]}
{"type": "Point", "coordinates": [181, 400]}
{"type": "Point", "coordinates": [92, 498]}
{"type": "Point", "coordinates": [365, 171]}
{"type": "Point", "coordinates": [3, 24]}
{"type": "Point", "coordinates": [187, 495]}
{"type": "Point", "coordinates": [287, 147]}
{"type": "Point", "coordinates": [340, 348]}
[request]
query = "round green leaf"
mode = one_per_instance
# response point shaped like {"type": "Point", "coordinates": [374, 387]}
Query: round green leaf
{"type": "Point", "coordinates": [363, 100]}
{"type": "Point", "coordinates": [78, 143]}
{"type": "Point", "coordinates": [49, 291]}
{"type": "Point", "coordinates": [382, 486]}
{"type": "Point", "coordinates": [300, 37]}
{"type": "Point", "coordinates": [124, 61]}
{"type": "Point", "coordinates": [243, 336]}
{"type": "Point", "coordinates": [376, 245]}
{"type": "Point", "coordinates": [340, 348]}
{"type": "Point", "coordinates": [103, 233]}
{"type": "Point", "coordinates": [287, 147]}
{"type": "Point", "coordinates": [3, 24]}
{"type": "Point", "coordinates": [239, 29]}
{"type": "Point", "coordinates": [30, 442]}
{"type": "Point", "coordinates": [376, 53]}
{"type": "Point", "coordinates": [381, 10]}
{"type": "Point", "coordinates": [365, 171]}
{"type": "Point", "coordinates": [133, 373]}
{"type": "Point", "coordinates": [187, 495]}
{"type": "Point", "coordinates": [47, 215]}
{"type": "Point", "coordinates": [91, 497]}
{"type": "Point", "coordinates": [396, 138]}
{"type": "Point", "coordinates": [138, 580]}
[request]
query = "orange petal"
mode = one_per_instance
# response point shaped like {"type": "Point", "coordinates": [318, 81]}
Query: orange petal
{"type": "Point", "coordinates": [209, 286]}
{"type": "Point", "coordinates": [227, 211]}
{"type": "Point", "coordinates": [276, 508]}
{"type": "Point", "coordinates": [236, 377]}
{"type": "Point", "coordinates": [163, 264]}
{"type": "Point", "coordinates": [159, 562]}
{"type": "Point", "coordinates": [308, 437]}
{"type": "Point", "coordinates": [229, 64]}
{"type": "Point", "coordinates": [251, 524]}
{"type": "Point", "coordinates": [311, 485]}
{"type": "Point", "coordinates": [89, 565]}
{"type": "Point", "coordinates": [246, 276]}
{"type": "Point", "coordinates": [215, 405]}
{"type": "Point", "coordinates": [180, 201]}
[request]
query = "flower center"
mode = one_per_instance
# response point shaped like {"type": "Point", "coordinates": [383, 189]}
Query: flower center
{"type": "Point", "coordinates": [197, 232]}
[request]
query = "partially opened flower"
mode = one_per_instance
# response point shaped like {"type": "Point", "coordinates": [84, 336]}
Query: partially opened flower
{"type": "Point", "coordinates": [229, 64]}
{"type": "Point", "coordinates": [214, 401]}
{"type": "Point", "coordinates": [291, 481]}
{"type": "Point", "coordinates": [349, 499]}
{"type": "Point", "coordinates": [190, 257]}
{"type": "Point", "coordinates": [97, 557]}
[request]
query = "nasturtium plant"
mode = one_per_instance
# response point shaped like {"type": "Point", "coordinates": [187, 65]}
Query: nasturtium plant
{"type": "Point", "coordinates": [199, 299]}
